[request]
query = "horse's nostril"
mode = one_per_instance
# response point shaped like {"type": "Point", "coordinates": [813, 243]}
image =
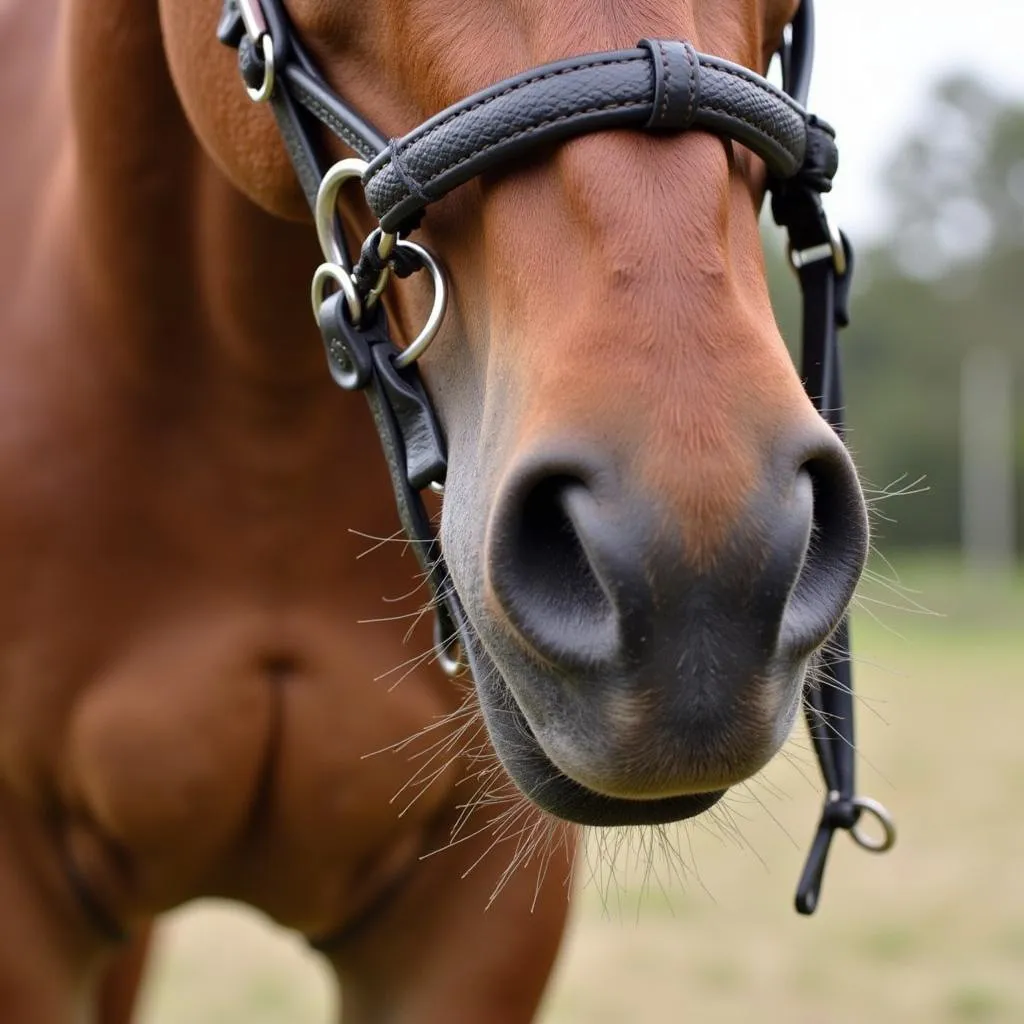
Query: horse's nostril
{"type": "Point", "coordinates": [553, 561]}
{"type": "Point", "coordinates": [835, 551]}
{"type": "Point", "coordinates": [545, 568]}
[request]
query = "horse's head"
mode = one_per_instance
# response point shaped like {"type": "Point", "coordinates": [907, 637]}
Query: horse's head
{"type": "Point", "coordinates": [648, 525]}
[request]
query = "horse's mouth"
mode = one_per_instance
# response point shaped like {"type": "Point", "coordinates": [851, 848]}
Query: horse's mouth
{"type": "Point", "coordinates": [539, 778]}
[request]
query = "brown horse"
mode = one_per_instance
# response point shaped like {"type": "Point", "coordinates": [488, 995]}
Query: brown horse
{"type": "Point", "coordinates": [636, 475]}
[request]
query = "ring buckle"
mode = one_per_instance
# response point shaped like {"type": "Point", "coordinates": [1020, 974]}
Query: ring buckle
{"type": "Point", "coordinates": [343, 279]}
{"type": "Point", "coordinates": [385, 247]}
{"type": "Point", "coordinates": [882, 816]}
{"type": "Point", "coordinates": [833, 249]}
{"type": "Point", "coordinates": [256, 29]}
{"type": "Point", "coordinates": [325, 211]}
{"type": "Point", "coordinates": [450, 659]}
{"type": "Point", "coordinates": [420, 343]}
{"type": "Point", "coordinates": [336, 266]}
{"type": "Point", "coordinates": [253, 18]}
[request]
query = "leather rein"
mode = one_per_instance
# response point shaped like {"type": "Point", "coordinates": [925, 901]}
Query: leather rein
{"type": "Point", "coordinates": [660, 86]}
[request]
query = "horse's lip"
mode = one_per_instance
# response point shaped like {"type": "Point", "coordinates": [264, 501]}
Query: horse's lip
{"type": "Point", "coordinates": [533, 772]}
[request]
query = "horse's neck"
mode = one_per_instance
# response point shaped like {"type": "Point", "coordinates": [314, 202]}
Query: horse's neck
{"type": "Point", "coordinates": [174, 255]}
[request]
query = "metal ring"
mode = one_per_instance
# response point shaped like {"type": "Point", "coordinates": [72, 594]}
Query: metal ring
{"type": "Point", "coordinates": [266, 89]}
{"type": "Point", "coordinates": [419, 344]}
{"type": "Point", "coordinates": [343, 279]}
{"type": "Point", "coordinates": [833, 249]}
{"type": "Point", "coordinates": [253, 18]}
{"type": "Point", "coordinates": [385, 247]}
{"type": "Point", "coordinates": [374, 294]}
{"type": "Point", "coordinates": [452, 665]}
{"type": "Point", "coordinates": [331, 245]}
{"type": "Point", "coordinates": [881, 815]}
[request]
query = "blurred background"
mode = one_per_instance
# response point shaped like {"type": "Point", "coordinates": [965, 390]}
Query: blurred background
{"type": "Point", "coordinates": [928, 100]}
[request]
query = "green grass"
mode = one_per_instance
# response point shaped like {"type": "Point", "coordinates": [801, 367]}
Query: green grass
{"type": "Point", "coordinates": [931, 932]}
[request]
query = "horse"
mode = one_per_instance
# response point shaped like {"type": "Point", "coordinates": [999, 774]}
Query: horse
{"type": "Point", "coordinates": [647, 527]}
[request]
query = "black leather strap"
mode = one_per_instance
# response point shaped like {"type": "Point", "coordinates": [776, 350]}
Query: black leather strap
{"type": "Point", "coordinates": [828, 702]}
{"type": "Point", "coordinates": [664, 84]}
{"type": "Point", "coordinates": [362, 359]}
{"type": "Point", "coordinates": [797, 54]}
{"type": "Point", "coordinates": [312, 92]}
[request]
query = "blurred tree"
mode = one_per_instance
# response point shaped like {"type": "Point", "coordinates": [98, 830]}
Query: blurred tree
{"type": "Point", "coordinates": [948, 274]}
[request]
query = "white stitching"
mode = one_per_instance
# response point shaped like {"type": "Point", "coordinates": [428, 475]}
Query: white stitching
{"type": "Point", "coordinates": [668, 79]}
{"type": "Point", "coordinates": [691, 59]}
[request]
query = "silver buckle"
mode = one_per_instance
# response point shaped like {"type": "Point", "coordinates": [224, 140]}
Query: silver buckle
{"type": "Point", "coordinates": [256, 29]}
{"type": "Point", "coordinates": [833, 249]}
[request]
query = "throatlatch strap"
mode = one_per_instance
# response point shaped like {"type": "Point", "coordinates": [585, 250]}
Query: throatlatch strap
{"type": "Point", "coordinates": [828, 700]}
{"type": "Point", "coordinates": [828, 704]}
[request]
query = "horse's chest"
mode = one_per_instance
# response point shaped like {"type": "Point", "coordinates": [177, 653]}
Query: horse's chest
{"type": "Point", "coordinates": [182, 663]}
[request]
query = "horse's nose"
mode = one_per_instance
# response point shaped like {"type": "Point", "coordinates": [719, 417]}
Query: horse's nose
{"type": "Point", "coordinates": [593, 573]}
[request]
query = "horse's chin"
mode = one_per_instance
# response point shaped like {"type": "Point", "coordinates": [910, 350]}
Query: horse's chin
{"type": "Point", "coordinates": [540, 779]}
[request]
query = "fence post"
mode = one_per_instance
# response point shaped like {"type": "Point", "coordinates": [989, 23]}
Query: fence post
{"type": "Point", "coordinates": [987, 478]}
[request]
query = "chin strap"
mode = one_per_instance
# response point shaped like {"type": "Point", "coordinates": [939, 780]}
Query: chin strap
{"type": "Point", "coordinates": [823, 261]}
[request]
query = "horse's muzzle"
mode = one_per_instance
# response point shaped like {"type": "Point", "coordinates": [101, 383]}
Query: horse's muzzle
{"type": "Point", "coordinates": [641, 672]}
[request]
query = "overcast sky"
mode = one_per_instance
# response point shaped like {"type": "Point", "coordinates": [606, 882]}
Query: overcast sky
{"type": "Point", "coordinates": [875, 62]}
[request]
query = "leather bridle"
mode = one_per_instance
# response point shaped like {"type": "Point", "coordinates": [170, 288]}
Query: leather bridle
{"type": "Point", "coordinates": [660, 86]}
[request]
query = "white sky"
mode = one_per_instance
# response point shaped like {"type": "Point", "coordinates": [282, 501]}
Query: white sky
{"type": "Point", "coordinates": [874, 64]}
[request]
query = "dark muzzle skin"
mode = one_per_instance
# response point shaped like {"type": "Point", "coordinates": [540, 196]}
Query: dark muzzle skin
{"type": "Point", "coordinates": [620, 682]}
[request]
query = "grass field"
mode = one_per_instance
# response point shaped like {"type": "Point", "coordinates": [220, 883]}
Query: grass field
{"type": "Point", "coordinates": [932, 932]}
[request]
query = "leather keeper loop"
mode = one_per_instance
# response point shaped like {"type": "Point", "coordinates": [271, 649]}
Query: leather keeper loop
{"type": "Point", "coordinates": [676, 83]}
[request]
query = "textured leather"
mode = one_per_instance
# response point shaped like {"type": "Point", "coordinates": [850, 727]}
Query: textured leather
{"type": "Point", "coordinates": [676, 80]}
{"type": "Point", "coordinates": [617, 89]}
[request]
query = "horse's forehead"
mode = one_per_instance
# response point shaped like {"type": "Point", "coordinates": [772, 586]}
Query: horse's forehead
{"type": "Point", "coordinates": [572, 25]}
{"type": "Point", "coordinates": [461, 45]}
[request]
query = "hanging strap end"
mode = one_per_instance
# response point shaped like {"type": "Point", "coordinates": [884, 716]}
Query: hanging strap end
{"type": "Point", "coordinates": [845, 814]}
